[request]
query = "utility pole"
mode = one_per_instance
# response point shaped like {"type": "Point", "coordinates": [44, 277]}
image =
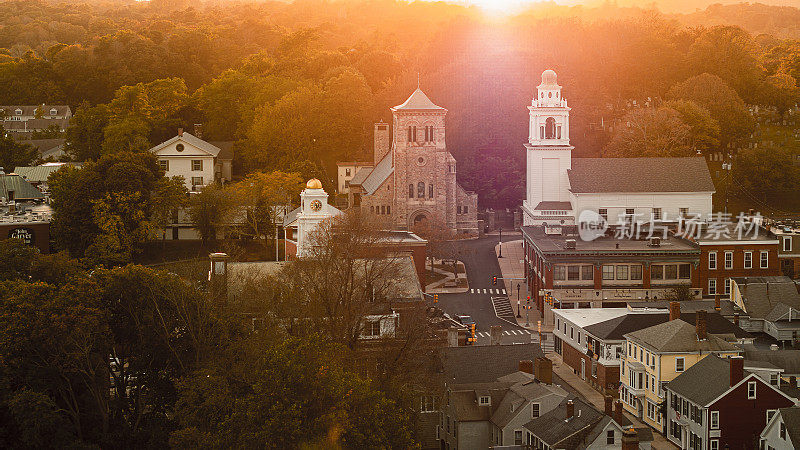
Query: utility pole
{"type": "Point", "coordinates": [518, 300]}
{"type": "Point", "coordinates": [501, 243]}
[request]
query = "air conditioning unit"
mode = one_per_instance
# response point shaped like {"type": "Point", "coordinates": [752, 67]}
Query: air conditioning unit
{"type": "Point", "coordinates": [655, 242]}
{"type": "Point", "coordinates": [552, 230]}
{"type": "Point", "coordinates": [570, 244]}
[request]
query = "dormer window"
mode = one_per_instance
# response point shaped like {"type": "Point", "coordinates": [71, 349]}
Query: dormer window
{"type": "Point", "coordinates": [18, 112]}
{"type": "Point", "coordinates": [484, 400]}
{"type": "Point", "coordinates": [53, 112]}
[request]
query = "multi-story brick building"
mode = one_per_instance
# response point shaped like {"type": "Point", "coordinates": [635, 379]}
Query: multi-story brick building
{"type": "Point", "coordinates": [605, 272]}
{"type": "Point", "coordinates": [414, 182]}
{"type": "Point", "coordinates": [731, 254]}
{"type": "Point", "coordinates": [788, 249]}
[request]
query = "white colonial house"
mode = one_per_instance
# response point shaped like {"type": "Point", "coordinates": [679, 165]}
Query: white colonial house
{"type": "Point", "coordinates": [559, 187]}
{"type": "Point", "coordinates": [199, 162]}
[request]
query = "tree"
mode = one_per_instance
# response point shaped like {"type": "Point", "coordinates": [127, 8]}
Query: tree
{"type": "Point", "coordinates": [290, 393]}
{"type": "Point", "coordinates": [84, 138]}
{"type": "Point", "coordinates": [765, 174]}
{"type": "Point", "coordinates": [169, 196]}
{"type": "Point", "coordinates": [729, 53]}
{"type": "Point", "coordinates": [210, 211]}
{"type": "Point", "coordinates": [264, 195]}
{"type": "Point", "coordinates": [650, 132]}
{"type": "Point", "coordinates": [703, 129]}
{"type": "Point", "coordinates": [14, 154]}
{"type": "Point", "coordinates": [722, 102]}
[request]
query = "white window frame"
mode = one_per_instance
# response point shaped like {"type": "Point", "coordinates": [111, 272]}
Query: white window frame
{"type": "Point", "coordinates": [521, 437]}
{"type": "Point", "coordinates": [712, 260]}
{"type": "Point", "coordinates": [727, 287]}
{"type": "Point", "coordinates": [748, 260]}
{"type": "Point", "coordinates": [787, 239]}
{"type": "Point", "coordinates": [683, 364]}
{"type": "Point", "coordinates": [754, 386]}
{"type": "Point", "coordinates": [536, 410]}
{"type": "Point", "coordinates": [728, 260]}
{"type": "Point", "coordinates": [713, 444]}
{"type": "Point", "coordinates": [764, 262]}
{"type": "Point", "coordinates": [712, 286]}
{"type": "Point", "coordinates": [656, 213]}
{"type": "Point", "coordinates": [197, 161]}
{"type": "Point", "coordinates": [713, 420]}
{"type": "Point", "coordinates": [484, 400]}
{"type": "Point", "coordinates": [771, 414]}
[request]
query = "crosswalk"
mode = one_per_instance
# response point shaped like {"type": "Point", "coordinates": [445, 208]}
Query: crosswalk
{"type": "Point", "coordinates": [503, 310]}
{"type": "Point", "coordinates": [507, 333]}
{"type": "Point", "coordinates": [488, 291]}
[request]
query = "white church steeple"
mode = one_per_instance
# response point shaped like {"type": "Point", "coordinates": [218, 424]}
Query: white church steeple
{"type": "Point", "coordinates": [549, 156]}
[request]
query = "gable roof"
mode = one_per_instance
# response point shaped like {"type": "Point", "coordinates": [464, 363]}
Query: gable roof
{"type": "Point", "coordinates": [418, 101]}
{"type": "Point", "coordinates": [378, 175]}
{"type": "Point", "coordinates": [191, 139]}
{"type": "Point", "coordinates": [791, 418]}
{"type": "Point", "coordinates": [616, 329]}
{"type": "Point", "coordinates": [677, 336]}
{"type": "Point", "coordinates": [788, 360]}
{"type": "Point", "coordinates": [360, 176]}
{"type": "Point", "coordinates": [464, 400]}
{"type": "Point", "coordinates": [596, 175]}
{"type": "Point", "coordinates": [553, 427]}
{"type": "Point", "coordinates": [22, 189]}
{"type": "Point", "coordinates": [30, 110]}
{"type": "Point", "coordinates": [225, 147]}
{"type": "Point", "coordinates": [484, 363]}
{"type": "Point", "coordinates": [761, 295]}
{"type": "Point", "coordinates": [39, 174]}
{"type": "Point", "coordinates": [521, 394]}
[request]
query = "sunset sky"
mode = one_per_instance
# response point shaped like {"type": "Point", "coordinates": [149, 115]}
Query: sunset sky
{"type": "Point", "coordinates": [683, 6]}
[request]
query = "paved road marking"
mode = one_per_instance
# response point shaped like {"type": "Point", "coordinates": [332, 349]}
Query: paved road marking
{"type": "Point", "coordinates": [504, 292]}
{"type": "Point", "coordinates": [484, 291]}
{"type": "Point", "coordinates": [472, 291]}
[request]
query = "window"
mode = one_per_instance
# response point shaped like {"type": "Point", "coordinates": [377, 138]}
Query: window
{"type": "Point", "coordinates": [787, 243]}
{"type": "Point", "coordinates": [53, 112]}
{"type": "Point", "coordinates": [347, 172]}
{"type": "Point", "coordinates": [410, 191]}
{"type": "Point", "coordinates": [622, 272]}
{"type": "Point", "coordinates": [412, 134]}
{"type": "Point", "coordinates": [783, 431]}
{"type": "Point", "coordinates": [748, 260]}
{"type": "Point", "coordinates": [18, 112]}
{"type": "Point", "coordinates": [372, 209]}
{"type": "Point", "coordinates": [679, 364]}
{"type": "Point", "coordinates": [751, 390]}
{"type": "Point", "coordinates": [458, 210]}
{"type": "Point", "coordinates": [372, 328]}
{"type": "Point", "coordinates": [573, 273]}
{"type": "Point", "coordinates": [383, 209]}
{"type": "Point", "coordinates": [164, 164]}
{"type": "Point", "coordinates": [656, 213]}
{"type": "Point", "coordinates": [197, 164]}
{"type": "Point", "coordinates": [197, 181]}
{"type": "Point", "coordinates": [608, 272]}
{"type": "Point", "coordinates": [683, 212]}
{"type": "Point", "coordinates": [559, 273]}
{"type": "Point", "coordinates": [670, 272]}
{"type": "Point", "coordinates": [770, 413]}
{"type": "Point", "coordinates": [657, 272]}
{"type": "Point", "coordinates": [636, 272]}
{"type": "Point", "coordinates": [714, 420]}
{"type": "Point", "coordinates": [464, 209]}
{"type": "Point", "coordinates": [610, 437]}
{"type": "Point", "coordinates": [713, 444]}
{"type": "Point", "coordinates": [729, 260]}
{"type": "Point", "coordinates": [727, 284]}
{"type": "Point", "coordinates": [603, 213]}
{"type": "Point", "coordinates": [712, 286]}
{"type": "Point", "coordinates": [517, 437]}
{"type": "Point", "coordinates": [484, 400]}
{"type": "Point", "coordinates": [429, 133]}
{"type": "Point", "coordinates": [421, 189]}
{"type": "Point", "coordinates": [428, 403]}
{"type": "Point", "coordinates": [430, 191]}
{"type": "Point", "coordinates": [684, 271]}
{"type": "Point", "coordinates": [571, 333]}
{"type": "Point", "coordinates": [712, 260]}
{"type": "Point", "coordinates": [764, 259]}
{"type": "Point", "coordinates": [534, 410]}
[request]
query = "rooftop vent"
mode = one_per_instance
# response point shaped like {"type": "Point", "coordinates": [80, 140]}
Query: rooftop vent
{"type": "Point", "coordinates": [552, 230]}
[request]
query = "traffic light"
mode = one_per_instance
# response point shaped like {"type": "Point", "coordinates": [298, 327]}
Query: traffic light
{"type": "Point", "coordinates": [494, 281]}
{"type": "Point", "coordinates": [435, 298]}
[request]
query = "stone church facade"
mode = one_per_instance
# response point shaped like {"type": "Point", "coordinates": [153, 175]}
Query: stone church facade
{"type": "Point", "coordinates": [413, 180]}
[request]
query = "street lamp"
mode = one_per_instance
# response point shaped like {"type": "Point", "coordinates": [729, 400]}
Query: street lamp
{"type": "Point", "coordinates": [501, 243]}
{"type": "Point", "coordinates": [518, 300]}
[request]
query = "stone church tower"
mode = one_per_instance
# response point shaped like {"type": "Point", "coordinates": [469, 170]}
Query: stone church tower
{"type": "Point", "coordinates": [413, 181]}
{"type": "Point", "coordinates": [549, 157]}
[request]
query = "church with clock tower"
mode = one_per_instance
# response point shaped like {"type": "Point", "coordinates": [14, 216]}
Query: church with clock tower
{"type": "Point", "coordinates": [413, 180]}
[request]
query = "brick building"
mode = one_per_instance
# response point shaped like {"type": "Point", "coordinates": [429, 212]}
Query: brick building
{"type": "Point", "coordinates": [788, 249]}
{"type": "Point", "coordinates": [413, 182]}
{"type": "Point", "coordinates": [732, 255]}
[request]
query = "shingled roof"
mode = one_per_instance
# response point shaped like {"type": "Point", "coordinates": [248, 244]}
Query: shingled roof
{"type": "Point", "coordinates": [679, 336]}
{"type": "Point", "coordinates": [606, 175]}
{"type": "Point", "coordinates": [617, 328]}
{"type": "Point", "coordinates": [761, 295]}
{"type": "Point", "coordinates": [791, 418]}
{"type": "Point", "coordinates": [378, 175]}
{"type": "Point", "coordinates": [485, 363]}
{"type": "Point", "coordinates": [21, 188]}
{"type": "Point", "coordinates": [418, 101]}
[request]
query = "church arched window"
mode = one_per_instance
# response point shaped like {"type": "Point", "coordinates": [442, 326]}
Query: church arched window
{"type": "Point", "coordinates": [550, 128]}
{"type": "Point", "coordinates": [421, 189]}
{"type": "Point", "coordinates": [410, 191]}
{"type": "Point", "coordinates": [430, 190]}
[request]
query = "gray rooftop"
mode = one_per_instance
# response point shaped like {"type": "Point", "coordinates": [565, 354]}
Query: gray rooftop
{"type": "Point", "coordinates": [360, 176]}
{"type": "Point", "coordinates": [606, 175]}
{"type": "Point", "coordinates": [726, 306]}
{"type": "Point", "coordinates": [678, 336]}
{"type": "Point", "coordinates": [554, 429]}
{"type": "Point", "coordinates": [484, 363]}
{"type": "Point", "coordinates": [761, 295]}
{"type": "Point", "coordinates": [378, 175]}
{"type": "Point", "coordinates": [554, 206]}
{"type": "Point", "coordinates": [189, 138]}
{"type": "Point", "coordinates": [788, 360]}
{"type": "Point", "coordinates": [22, 189]}
{"type": "Point", "coordinates": [706, 380]}
{"type": "Point", "coordinates": [418, 101]}
{"type": "Point", "coordinates": [615, 329]}
{"type": "Point", "coordinates": [791, 417]}
{"type": "Point", "coordinates": [550, 243]}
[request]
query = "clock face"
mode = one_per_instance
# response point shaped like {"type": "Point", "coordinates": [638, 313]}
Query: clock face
{"type": "Point", "coordinates": [316, 205]}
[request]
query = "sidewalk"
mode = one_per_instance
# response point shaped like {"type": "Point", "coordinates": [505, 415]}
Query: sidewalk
{"type": "Point", "coordinates": [512, 265]}
{"type": "Point", "coordinates": [438, 287]}
{"type": "Point", "coordinates": [594, 397]}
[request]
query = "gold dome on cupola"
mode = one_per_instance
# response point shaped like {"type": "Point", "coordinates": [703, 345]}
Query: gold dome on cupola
{"type": "Point", "coordinates": [314, 184]}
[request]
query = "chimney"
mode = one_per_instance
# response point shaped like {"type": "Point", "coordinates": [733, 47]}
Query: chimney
{"type": "Point", "coordinates": [674, 311]}
{"type": "Point", "coordinates": [382, 141]}
{"type": "Point", "coordinates": [496, 335]}
{"type": "Point", "coordinates": [609, 406]}
{"type": "Point", "coordinates": [544, 370]}
{"type": "Point", "coordinates": [570, 409]}
{"type": "Point", "coordinates": [736, 319]}
{"type": "Point", "coordinates": [198, 130]}
{"type": "Point", "coordinates": [700, 316]}
{"type": "Point", "coordinates": [618, 411]}
{"type": "Point", "coordinates": [526, 366]}
{"type": "Point", "coordinates": [630, 440]}
{"type": "Point", "coordinates": [737, 369]}
{"type": "Point", "coordinates": [717, 306]}
{"type": "Point", "coordinates": [180, 132]}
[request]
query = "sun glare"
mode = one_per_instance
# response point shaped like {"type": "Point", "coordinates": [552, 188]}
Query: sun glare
{"type": "Point", "coordinates": [499, 7]}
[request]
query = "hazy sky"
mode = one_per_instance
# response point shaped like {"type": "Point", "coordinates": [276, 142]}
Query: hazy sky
{"type": "Point", "coordinates": [502, 6]}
